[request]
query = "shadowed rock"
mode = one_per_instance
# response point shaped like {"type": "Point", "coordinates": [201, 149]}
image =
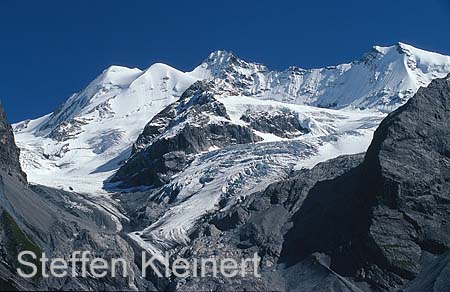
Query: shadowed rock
{"type": "Point", "coordinates": [9, 152]}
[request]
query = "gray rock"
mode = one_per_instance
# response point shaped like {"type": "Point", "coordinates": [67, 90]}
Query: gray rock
{"type": "Point", "coordinates": [9, 152]}
{"type": "Point", "coordinates": [283, 123]}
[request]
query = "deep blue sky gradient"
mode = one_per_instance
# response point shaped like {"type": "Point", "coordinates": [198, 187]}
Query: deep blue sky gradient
{"type": "Point", "coordinates": [51, 49]}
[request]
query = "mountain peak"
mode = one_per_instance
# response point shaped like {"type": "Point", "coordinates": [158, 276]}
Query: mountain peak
{"type": "Point", "coordinates": [408, 50]}
{"type": "Point", "coordinates": [384, 50]}
{"type": "Point", "coordinates": [117, 75]}
{"type": "Point", "coordinates": [399, 47]}
{"type": "Point", "coordinates": [221, 62]}
{"type": "Point", "coordinates": [405, 46]}
{"type": "Point", "coordinates": [221, 56]}
{"type": "Point", "coordinates": [222, 59]}
{"type": "Point", "coordinates": [116, 68]}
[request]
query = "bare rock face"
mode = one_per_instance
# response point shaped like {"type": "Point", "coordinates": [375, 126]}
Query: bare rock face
{"type": "Point", "coordinates": [409, 163]}
{"type": "Point", "coordinates": [197, 122]}
{"type": "Point", "coordinates": [9, 152]}
{"type": "Point", "coordinates": [67, 130]}
{"type": "Point", "coordinates": [283, 123]}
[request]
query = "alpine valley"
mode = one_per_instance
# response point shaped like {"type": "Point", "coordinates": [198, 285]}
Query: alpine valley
{"type": "Point", "coordinates": [338, 177]}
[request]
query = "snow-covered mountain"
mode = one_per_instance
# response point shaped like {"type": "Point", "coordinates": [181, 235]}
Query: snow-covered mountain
{"type": "Point", "coordinates": [83, 143]}
{"type": "Point", "coordinates": [384, 78]}
{"type": "Point", "coordinates": [180, 160]}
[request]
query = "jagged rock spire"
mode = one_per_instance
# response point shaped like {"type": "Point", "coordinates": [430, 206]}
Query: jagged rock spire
{"type": "Point", "coordinates": [9, 152]}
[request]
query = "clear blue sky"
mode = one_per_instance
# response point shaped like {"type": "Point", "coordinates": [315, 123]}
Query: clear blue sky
{"type": "Point", "coordinates": [50, 49]}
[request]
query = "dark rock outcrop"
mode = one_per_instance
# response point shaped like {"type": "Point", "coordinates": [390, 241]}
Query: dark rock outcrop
{"type": "Point", "coordinates": [67, 130]}
{"type": "Point", "coordinates": [409, 169]}
{"type": "Point", "coordinates": [282, 123]}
